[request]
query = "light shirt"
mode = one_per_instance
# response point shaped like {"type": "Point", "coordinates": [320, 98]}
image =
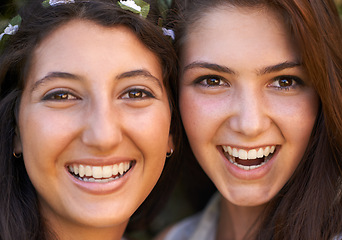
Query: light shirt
{"type": "Point", "coordinates": [201, 226]}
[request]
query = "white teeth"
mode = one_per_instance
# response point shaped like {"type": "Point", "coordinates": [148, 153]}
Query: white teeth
{"type": "Point", "coordinates": [250, 154]}
{"type": "Point", "coordinates": [230, 150]}
{"type": "Point", "coordinates": [97, 172]}
{"type": "Point", "coordinates": [267, 151]}
{"type": "Point", "coordinates": [260, 153]}
{"type": "Point", "coordinates": [121, 169]}
{"type": "Point", "coordinates": [107, 171]}
{"type": "Point", "coordinates": [235, 152]}
{"type": "Point", "coordinates": [90, 173]}
{"type": "Point", "coordinates": [115, 169]}
{"type": "Point", "coordinates": [81, 171]}
{"type": "Point", "coordinates": [272, 149]}
{"type": "Point", "coordinates": [243, 154]}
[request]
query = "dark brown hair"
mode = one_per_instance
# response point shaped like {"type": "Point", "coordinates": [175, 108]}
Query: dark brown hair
{"type": "Point", "coordinates": [309, 206]}
{"type": "Point", "coordinates": [20, 217]}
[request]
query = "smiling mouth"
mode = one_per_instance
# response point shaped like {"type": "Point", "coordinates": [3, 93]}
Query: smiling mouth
{"type": "Point", "coordinates": [100, 174]}
{"type": "Point", "coordinates": [249, 159]}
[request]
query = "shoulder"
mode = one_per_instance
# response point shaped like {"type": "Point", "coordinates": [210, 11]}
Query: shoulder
{"type": "Point", "coordinates": [199, 226]}
{"type": "Point", "coordinates": [182, 230]}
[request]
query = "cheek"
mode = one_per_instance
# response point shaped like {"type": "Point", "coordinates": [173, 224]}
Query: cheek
{"type": "Point", "coordinates": [297, 117]}
{"type": "Point", "coordinates": [44, 135]}
{"type": "Point", "coordinates": [193, 113]}
{"type": "Point", "coordinates": [149, 130]}
{"type": "Point", "coordinates": [202, 115]}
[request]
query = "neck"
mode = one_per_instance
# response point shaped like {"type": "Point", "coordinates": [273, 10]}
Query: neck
{"type": "Point", "coordinates": [236, 222]}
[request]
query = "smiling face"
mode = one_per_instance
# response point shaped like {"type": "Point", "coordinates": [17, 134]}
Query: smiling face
{"type": "Point", "coordinates": [246, 103]}
{"type": "Point", "coordinates": [94, 125]}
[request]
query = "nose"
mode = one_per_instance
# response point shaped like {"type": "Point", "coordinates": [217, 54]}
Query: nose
{"type": "Point", "coordinates": [250, 116]}
{"type": "Point", "coordinates": [103, 129]}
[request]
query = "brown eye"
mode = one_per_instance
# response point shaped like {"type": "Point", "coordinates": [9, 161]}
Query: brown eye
{"type": "Point", "coordinates": [213, 81]}
{"type": "Point", "coordinates": [60, 96]}
{"type": "Point", "coordinates": [285, 82]}
{"type": "Point", "coordinates": [135, 94]}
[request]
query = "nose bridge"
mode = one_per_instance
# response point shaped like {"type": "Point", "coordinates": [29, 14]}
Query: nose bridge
{"type": "Point", "coordinates": [103, 128]}
{"type": "Point", "coordinates": [250, 117]}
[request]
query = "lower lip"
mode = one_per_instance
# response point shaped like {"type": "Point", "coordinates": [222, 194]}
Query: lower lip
{"type": "Point", "coordinates": [249, 175]}
{"type": "Point", "coordinates": [102, 188]}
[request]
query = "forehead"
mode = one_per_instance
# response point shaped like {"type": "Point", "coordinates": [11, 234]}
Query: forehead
{"type": "Point", "coordinates": [84, 32]}
{"type": "Point", "coordinates": [81, 44]}
{"type": "Point", "coordinates": [238, 31]}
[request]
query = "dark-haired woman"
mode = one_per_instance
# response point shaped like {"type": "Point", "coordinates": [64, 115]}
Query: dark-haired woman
{"type": "Point", "coordinates": [85, 121]}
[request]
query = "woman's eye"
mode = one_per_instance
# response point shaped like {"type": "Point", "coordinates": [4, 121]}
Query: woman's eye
{"type": "Point", "coordinates": [137, 94]}
{"type": "Point", "coordinates": [60, 96]}
{"type": "Point", "coordinates": [211, 81]}
{"type": "Point", "coordinates": [286, 82]}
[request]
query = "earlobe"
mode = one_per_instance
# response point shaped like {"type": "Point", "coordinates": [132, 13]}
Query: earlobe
{"type": "Point", "coordinates": [170, 143]}
{"type": "Point", "coordinates": [17, 147]}
{"type": "Point", "coordinates": [171, 147]}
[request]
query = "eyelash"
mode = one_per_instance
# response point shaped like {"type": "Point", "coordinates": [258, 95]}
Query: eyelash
{"type": "Point", "coordinates": [60, 95]}
{"type": "Point", "coordinates": [220, 80]}
{"type": "Point", "coordinates": [293, 82]}
{"type": "Point", "coordinates": [144, 93]}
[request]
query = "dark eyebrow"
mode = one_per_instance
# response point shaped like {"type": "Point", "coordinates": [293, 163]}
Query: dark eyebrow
{"type": "Point", "coordinates": [211, 66]}
{"type": "Point", "coordinates": [52, 75]}
{"type": "Point", "coordinates": [278, 67]}
{"type": "Point", "coordinates": [65, 75]}
{"type": "Point", "coordinates": [140, 73]}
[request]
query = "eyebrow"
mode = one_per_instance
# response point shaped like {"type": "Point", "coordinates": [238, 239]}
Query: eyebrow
{"type": "Point", "coordinates": [52, 75]}
{"type": "Point", "coordinates": [207, 65]}
{"type": "Point", "coordinates": [65, 75]}
{"type": "Point", "coordinates": [224, 69]}
{"type": "Point", "coordinates": [140, 73]}
{"type": "Point", "coordinates": [278, 67]}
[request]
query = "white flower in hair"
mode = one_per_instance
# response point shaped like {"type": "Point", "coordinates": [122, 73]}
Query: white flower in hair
{"type": "Point", "coordinates": [58, 2]}
{"type": "Point", "coordinates": [9, 30]}
{"type": "Point", "coordinates": [131, 4]}
{"type": "Point", "coordinates": [169, 32]}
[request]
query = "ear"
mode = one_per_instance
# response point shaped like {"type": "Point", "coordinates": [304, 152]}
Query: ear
{"type": "Point", "coordinates": [171, 144]}
{"type": "Point", "coordinates": [17, 148]}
